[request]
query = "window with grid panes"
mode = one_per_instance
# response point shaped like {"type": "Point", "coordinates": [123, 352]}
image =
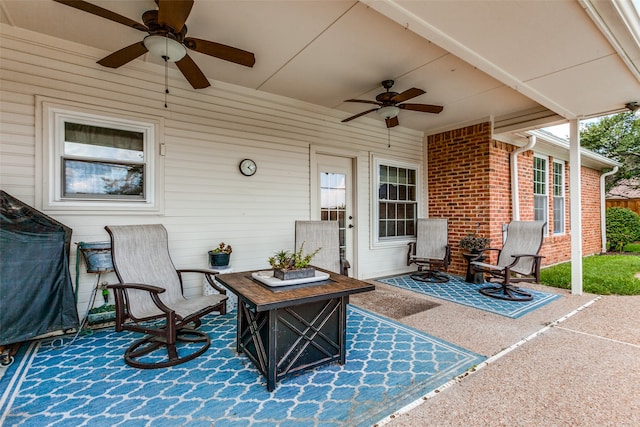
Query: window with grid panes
{"type": "Point", "coordinates": [540, 203]}
{"type": "Point", "coordinates": [397, 201]}
{"type": "Point", "coordinates": [558, 197]}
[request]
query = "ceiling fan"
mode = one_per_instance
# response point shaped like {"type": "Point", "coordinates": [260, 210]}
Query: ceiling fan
{"type": "Point", "coordinates": [388, 104]}
{"type": "Point", "coordinates": [166, 38]}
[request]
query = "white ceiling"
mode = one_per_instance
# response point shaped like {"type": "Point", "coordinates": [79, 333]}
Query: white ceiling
{"type": "Point", "coordinates": [511, 60]}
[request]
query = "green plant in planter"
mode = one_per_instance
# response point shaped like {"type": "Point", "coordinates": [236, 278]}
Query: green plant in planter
{"type": "Point", "coordinates": [219, 257]}
{"type": "Point", "coordinates": [472, 242]}
{"type": "Point", "coordinates": [222, 248]}
{"type": "Point", "coordinates": [284, 262]}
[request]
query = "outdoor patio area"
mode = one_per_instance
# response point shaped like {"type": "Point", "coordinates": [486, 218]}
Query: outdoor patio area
{"type": "Point", "coordinates": [425, 359]}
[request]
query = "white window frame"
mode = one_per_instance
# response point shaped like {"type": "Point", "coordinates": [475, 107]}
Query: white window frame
{"type": "Point", "coordinates": [541, 196]}
{"type": "Point", "coordinates": [562, 196]}
{"type": "Point", "coordinates": [49, 177]}
{"type": "Point", "coordinates": [377, 242]}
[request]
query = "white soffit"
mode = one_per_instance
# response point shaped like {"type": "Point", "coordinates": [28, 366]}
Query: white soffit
{"type": "Point", "coordinates": [530, 46]}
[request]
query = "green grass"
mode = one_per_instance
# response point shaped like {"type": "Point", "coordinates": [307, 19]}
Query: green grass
{"type": "Point", "coordinates": [601, 274]}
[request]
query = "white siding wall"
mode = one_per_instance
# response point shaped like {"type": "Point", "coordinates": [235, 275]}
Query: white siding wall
{"type": "Point", "coordinates": [206, 134]}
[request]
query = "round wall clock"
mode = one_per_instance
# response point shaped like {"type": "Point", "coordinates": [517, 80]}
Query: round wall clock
{"type": "Point", "coordinates": [248, 167]}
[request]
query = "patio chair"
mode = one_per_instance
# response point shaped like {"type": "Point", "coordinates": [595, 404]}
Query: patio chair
{"type": "Point", "coordinates": [325, 235]}
{"type": "Point", "coordinates": [431, 251]}
{"type": "Point", "coordinates": [149, 299]}
{"type": "Point", "coordinates": [518, 261]}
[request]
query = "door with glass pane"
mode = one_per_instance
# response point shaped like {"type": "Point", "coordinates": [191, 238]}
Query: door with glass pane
{"type": "Point", "coordinates": [335, 199]}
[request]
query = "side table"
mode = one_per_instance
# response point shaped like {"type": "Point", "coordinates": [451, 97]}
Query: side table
{"type": "Point", "coordinates": [478, 277]}
{"type": "Point", "coordinates": [232, 299]}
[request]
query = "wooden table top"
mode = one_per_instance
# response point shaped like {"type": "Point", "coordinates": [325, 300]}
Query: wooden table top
{"type": "Point", "coordinates": [263, 298]}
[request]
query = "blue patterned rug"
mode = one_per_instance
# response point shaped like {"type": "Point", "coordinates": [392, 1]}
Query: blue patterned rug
{"type": "Point", "coordinates": [458, 291]}
{"type": "Point", "coordinates": [87, 383]}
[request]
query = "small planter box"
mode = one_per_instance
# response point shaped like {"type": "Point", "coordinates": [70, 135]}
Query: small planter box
{"type": "Point", "coordinates": [301, 273]}
{"type": "Point", "coordinates": [97, 256]}
{"type": "Point", "coordinates": [102, 314]}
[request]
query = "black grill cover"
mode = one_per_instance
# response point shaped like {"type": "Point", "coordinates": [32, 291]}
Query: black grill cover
{"type": "Point", "coordinates": [36, 293]}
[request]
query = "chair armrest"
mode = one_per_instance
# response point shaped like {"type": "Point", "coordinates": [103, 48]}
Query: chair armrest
{"type": "Point", "coordinates": [529, 255]}
{"type": "Point", "coordinates": [411, 251]}
{"type": "Point", "coordinates": [492, 249]}
{"type": "Point", "coordinates": [485, 266]}
{"type": "Point", "coordinates": [344, 266]}
{"type": "Point", "coordinates": [208, 274]}
{"type": "Point", "coordinates": [139, 286]}
{"type": "Point", "coordinates": [518, 256]}
{"type": "Point", "coordinates": [120, 291]}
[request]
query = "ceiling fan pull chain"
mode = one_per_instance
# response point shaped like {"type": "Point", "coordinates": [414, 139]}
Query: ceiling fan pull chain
{"type": "Point", "coordinates": [389, 137]}
{"type": "Point", "coordinates": [166, 81]}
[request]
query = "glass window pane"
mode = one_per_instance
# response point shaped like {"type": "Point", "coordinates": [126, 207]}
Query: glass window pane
{"type": "Point", "coordinates": [400, 212]}
{"type": "Point", "coordinates": [384, 174]}
{"type": "Point", "coordinates": [382, 229]}
{"type": "Point", "coordinates": [391, 210]}
{"type": "Point", "coordinates": [402, 176]}
{"type": "Point", "coordinates": [103, 179]}
{"type": "Point", "coordinates": [382, 211]}
{"type": "Point", "coordinates": [411, 176]}
{"type": "Point", "coordinates": [105, 143]}
{"type": "Point", "coordinates": [403, 192]}
{"type": "Point", "coordinates": [411, 193]}
{"type": "Point", "coordinates": [393, 174]}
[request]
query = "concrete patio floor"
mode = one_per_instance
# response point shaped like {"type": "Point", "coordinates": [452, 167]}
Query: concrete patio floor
{"type": "Point", "coordinates": [573, 362]}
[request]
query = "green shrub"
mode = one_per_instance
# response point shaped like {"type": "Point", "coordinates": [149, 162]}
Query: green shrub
{"type": "Point", "coordinates": [623, 227]}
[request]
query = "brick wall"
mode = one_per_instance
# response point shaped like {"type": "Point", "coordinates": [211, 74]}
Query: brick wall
{"type": "Point", "coordinates": [458, 183]}
{"type": "Point", "coordinates": [468, 182]}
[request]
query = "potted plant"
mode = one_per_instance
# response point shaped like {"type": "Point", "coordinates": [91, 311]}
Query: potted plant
{"type": "Point", "coordinates": [287, 265]}
{"type": "Point", "coordinates": [474, 243]}
{"type": "Point", "coordinates": [220, 256]}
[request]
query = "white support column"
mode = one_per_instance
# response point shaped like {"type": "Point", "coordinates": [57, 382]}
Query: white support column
{"type": "Point", "coordinates": [575, 209]}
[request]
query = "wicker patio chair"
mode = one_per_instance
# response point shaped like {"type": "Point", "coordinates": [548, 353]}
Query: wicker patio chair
{"type": "Point", "coordinates": [431, 251]}
{"type": "Point", "coordinates": [518, 261]}
{"type": "Point", "coordinates": [325, 235]}
{"type": "Point", "coordinates": [149, 299]}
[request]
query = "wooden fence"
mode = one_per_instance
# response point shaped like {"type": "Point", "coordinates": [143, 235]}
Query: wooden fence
{"type": "Point", "coordinates": [633, 204]}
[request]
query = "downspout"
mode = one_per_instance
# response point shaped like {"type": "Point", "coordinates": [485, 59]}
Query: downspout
{"type": "Point", "coordinates": [603, 210]}
{"type": "Point", "coordinates": [515, 190]}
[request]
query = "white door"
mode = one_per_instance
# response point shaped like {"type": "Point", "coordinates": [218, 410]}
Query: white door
{"type": "Point", "coordinates": [334, 199]}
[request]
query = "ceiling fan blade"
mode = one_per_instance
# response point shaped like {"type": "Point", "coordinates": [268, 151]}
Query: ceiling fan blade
{"type": "Point", "coordinates": [363, 101]}
{"type": "Point", "coordinates": [392, 122]}
{"type": "Point", "coordinates": [425, 108]}
{"type": "Point", "coordinates": [104, 13]}
{"type": "Point", "coordinates": [192, 73]}
{"type": "Point", "coordinates": [174, 13]}
{"type": "Point", "coordinates": [407, 94]}
{"type": "Point", "coordinates": [221, 51]}
{"type": "Point", "coordinates": [122, 56]}
{"type": "Point", "coordinates": [348, 119]}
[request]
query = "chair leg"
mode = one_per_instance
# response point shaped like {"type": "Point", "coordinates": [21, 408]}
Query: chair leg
{"type": "Point", "coordinates": [429, 276]}
{"type": "Point", "coordinates": [506, 291]}
{"type": "Point", "coordinates": [148, 346]}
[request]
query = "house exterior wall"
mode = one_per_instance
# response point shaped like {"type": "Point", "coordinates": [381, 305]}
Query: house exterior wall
{"type": "Point", "coordinates": [205, 134]}
{"type": "Point", "coordinates": [468, 179]}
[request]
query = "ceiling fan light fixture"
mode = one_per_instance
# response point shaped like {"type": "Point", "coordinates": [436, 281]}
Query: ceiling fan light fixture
{"type": "Point", "coordinates": [388, 112]}
{"type": "Point", "coordinates": [165, 47]}
{"type": "Point", "coordinates": [634, 107]}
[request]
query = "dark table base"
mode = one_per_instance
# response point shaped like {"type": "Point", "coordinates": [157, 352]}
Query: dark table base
{"type": "Point", "coordinates": [471, 277]}
{"type": "Point", "coordinates": [283, 341]}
